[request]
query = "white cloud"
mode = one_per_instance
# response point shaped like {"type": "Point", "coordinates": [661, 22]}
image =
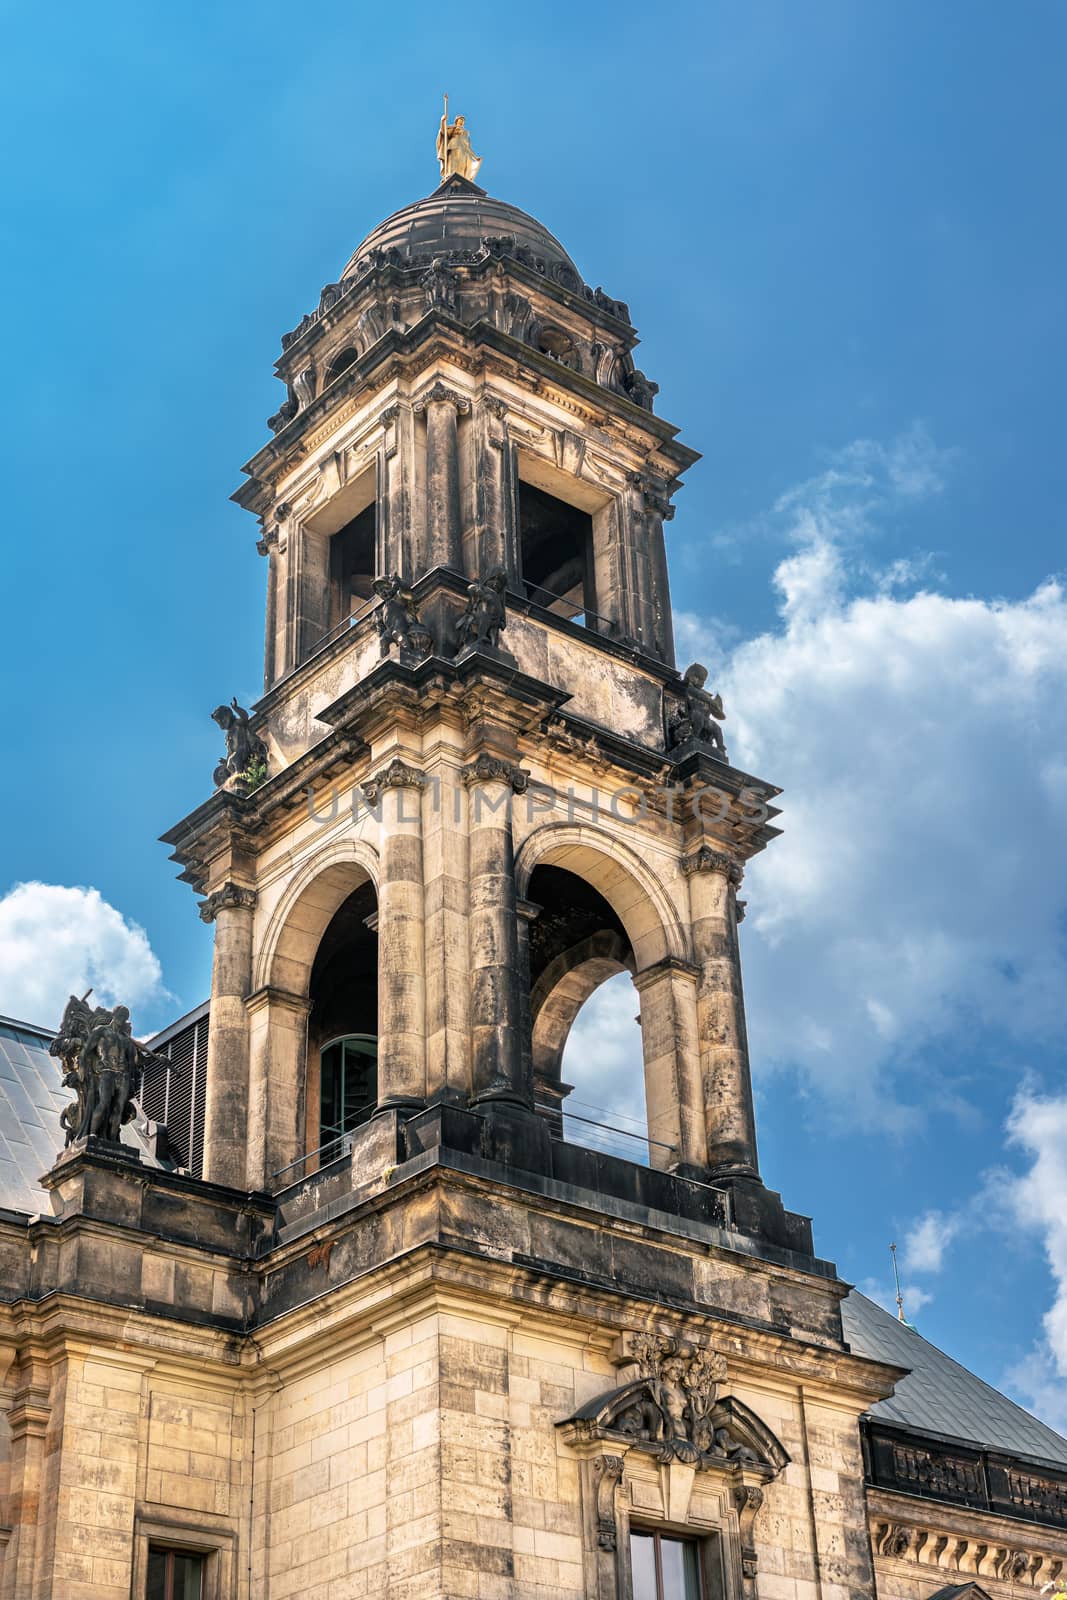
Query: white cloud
{"type": "Point", "coordinates": [56, 941]}
{"type": "Point", "coordinates": [1038, 1126]}
{"type": "Point", "coordinates": [603, 1061]}
{"type": "Point", "coordinates": [884, 1294]}
{"type": "Point", "coordinates": [919, 889]}
{"type": "Point", "coordinates": [925, 1243]}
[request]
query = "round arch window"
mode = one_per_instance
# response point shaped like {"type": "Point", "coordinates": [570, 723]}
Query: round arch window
{"type": "Point", "coordinates": [348, 1088]}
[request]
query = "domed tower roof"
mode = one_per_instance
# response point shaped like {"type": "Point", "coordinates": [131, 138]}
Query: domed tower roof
{"type": "Point", "coordinates": [458, 216]}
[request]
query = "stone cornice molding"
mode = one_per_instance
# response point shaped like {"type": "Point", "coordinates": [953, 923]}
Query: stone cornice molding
{"type": "Point", "coordinates": [669, 964]}
{"type": "Point", "coordinates": [707, 860]}
{"type": "Point", "coordinates": [285, 998]}
{"type": "Point", "coordinates": [491, 769]}
{"type": "Point", "coordinates": [229, 897]}
{"type": "Point", "coordinates": [397, 775]}
{"type": "Point", "coordinates": [441, 394]}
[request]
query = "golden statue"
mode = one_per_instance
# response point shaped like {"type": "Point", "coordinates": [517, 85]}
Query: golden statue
{"type": "Point", "coordinates": [454, 153]}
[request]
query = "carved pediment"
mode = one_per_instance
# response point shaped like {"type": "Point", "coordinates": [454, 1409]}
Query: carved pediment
{"type": "Point", "coordinates": [662, 1416]}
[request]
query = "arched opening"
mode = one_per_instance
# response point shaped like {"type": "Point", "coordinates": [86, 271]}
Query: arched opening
{"type": "Point", "coordinates": [341, 363]}
{"type": "Point", "coordinates": [580, 954]}
{"type": "Point", "coordinates": [342, 1036]}
{"type": "Point", "coordinates": [560, 346]}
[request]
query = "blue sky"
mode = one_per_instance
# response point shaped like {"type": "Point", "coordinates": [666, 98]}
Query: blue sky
{"type": "Point", "coordinates": [840, 232]}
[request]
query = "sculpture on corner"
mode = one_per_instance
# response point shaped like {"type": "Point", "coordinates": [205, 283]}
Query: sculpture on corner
{"type": "Point", "coordinates": [398, 620]}
{"type": "Point", "coordinates": [486, 615]}
{"type": "Point", "coordinates": [244, 749]}
{"type": "Point", "coordinates": [101, 1063]}
{"type": "Point", "coordinates": [695, 719]}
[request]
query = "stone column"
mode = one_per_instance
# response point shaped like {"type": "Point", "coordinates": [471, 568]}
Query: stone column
{"type": "Point", "coordinates": [498, 543]}
{"type": "Point", "coordinates": [277, 1033]}
{"type": "Point", "coordinates": [674, 1102]}
{"type": "Point", "coordinates": [444, 531]}
{"type": "Point", "coordinates": [659, 510]}
{"type": "Point", "coordinates": [714, 878]}
{"type": "Point", "coordinates": [396, 794]}
{"type": "Point", "coordinates": [26, 1398]}
{"type": "Point", "coordinates": [496, 973]}
{"type": "Point", "coordinates": [527, 913]}
{"type": "Point", "coordinates": [230, 908]}
{"type": "Point", "coordinates": [268, 546]}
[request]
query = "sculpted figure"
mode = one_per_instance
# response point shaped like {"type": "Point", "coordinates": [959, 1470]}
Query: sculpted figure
{"type": "Point", "coordinates": [454, 153]}
{"type": "Point", "coordinates": [700, 713]}
{"type": "Point", "coordinates": [101, 1060]}
{"type": "Point", "coordinates": [439, 281]}
{"type": "Point", "coordinates": [398, 618]}
{"type": "Point", "coordinates": [486, 615]}
{"type": "Point", "coordinates": [243, 747]}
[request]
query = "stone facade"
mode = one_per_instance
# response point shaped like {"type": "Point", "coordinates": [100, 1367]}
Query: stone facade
{"type": "Point", "coordinates": [440, 1350]}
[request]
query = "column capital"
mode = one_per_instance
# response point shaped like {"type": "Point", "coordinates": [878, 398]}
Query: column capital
{"type": "Point", "coordinates": [441, 394]}
{"type": "Point", "coordinates": [492, 769]}
{"type": "Point", "coordinates": [397, 775]}
{"type": "Point", "coordinates": [707, 860]}
{"type": "Point", "coordinates": [229, 897]}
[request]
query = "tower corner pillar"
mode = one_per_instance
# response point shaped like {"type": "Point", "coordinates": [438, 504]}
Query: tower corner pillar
{"type": "Point", "coordinates": [714, 878]}
{"type": "Point", "coordinates": [231, 908]}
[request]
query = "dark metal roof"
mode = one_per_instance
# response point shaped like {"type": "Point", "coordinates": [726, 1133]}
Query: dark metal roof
{"type": "Point", "coordinates": [31, 1098]}
{"type": "Point", "coordinates": [940, 1397]}
{"type": "Point", "coordinates": [457, 217]}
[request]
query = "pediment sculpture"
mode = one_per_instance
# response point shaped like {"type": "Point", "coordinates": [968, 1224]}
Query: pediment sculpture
{"type": "Point", "coordinates": [671, 1407]}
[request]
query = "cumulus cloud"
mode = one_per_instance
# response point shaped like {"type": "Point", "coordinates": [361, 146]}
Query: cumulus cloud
{"type": "Point", "coordinates": [926, 1242]}
{"type": "Point", "coordinates": [1038, 1127]}
{"type": "Point", "coordinates": [917, 738]}
{"type": "Point", "coordinates": [56, 941]}
{"type": "Point", "coordinates": [884, 1293]}
{"type": "Point", "coordinates": [918, 894]}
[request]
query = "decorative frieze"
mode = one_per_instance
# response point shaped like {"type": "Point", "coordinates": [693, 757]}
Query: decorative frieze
{"type": "Point", "coordinates": [927, 1545]}
{"type": "Point", "coordinates": [230, 897]}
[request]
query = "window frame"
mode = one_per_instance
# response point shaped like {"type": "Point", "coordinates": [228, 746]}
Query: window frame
{"type": "Point", "coordinates": [216, 1546]}
{"type": "Point", "coordinates": [658, 1533]}
{"type": "Point", "coordinates": [169, 1551]}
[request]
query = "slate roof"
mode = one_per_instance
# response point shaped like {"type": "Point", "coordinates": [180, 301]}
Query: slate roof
{"type": "Point", "coordinates": [31, 1098]}
{"type": "Point", "coordinates": [939, 1396]}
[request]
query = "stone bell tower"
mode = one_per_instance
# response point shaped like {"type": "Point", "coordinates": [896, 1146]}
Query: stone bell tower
{"type": "Point", "coordinates": [490, 1360]}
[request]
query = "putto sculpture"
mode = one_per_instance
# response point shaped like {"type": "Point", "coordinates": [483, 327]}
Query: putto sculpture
{"type": "Point", "coordinates": [454, 153]}
{"type": "Point", "coordinates": [398, 619]}
{"type": "Point", "coordinates": [244, 749]}
{"type": "Point", "coordinates": [696, 719]}
{"type": "Point", "coordinates": [486, 615]}
{"type": "Point", "coordinates": [101, 1062]}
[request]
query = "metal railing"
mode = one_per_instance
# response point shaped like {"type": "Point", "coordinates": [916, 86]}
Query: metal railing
{"type": "Point", "coordinates": [571, 1126]}
{"type": "Point", "coordinates": [333, 1150]}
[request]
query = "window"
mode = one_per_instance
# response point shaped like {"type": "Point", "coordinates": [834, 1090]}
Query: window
{"type": "Point", "coordinates": [174, 1575]}
{"type": "Point", "coordinates": [665, 1568]}
{"type": "Point", "coordinates": [557, 553]}
{"type": "Point", "coordinates": [348, 1088]}
{"type": "Point", "coordinates": [352, 559]}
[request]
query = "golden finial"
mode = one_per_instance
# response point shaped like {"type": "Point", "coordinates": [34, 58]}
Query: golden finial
{"type": "Point", "coordinates": [454, 153]}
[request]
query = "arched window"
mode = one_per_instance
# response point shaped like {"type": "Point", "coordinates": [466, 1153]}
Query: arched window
{"type": "Point", "coordinates": [348, 1088]}
{"type": "Point", "coordinates": [341, 363]}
